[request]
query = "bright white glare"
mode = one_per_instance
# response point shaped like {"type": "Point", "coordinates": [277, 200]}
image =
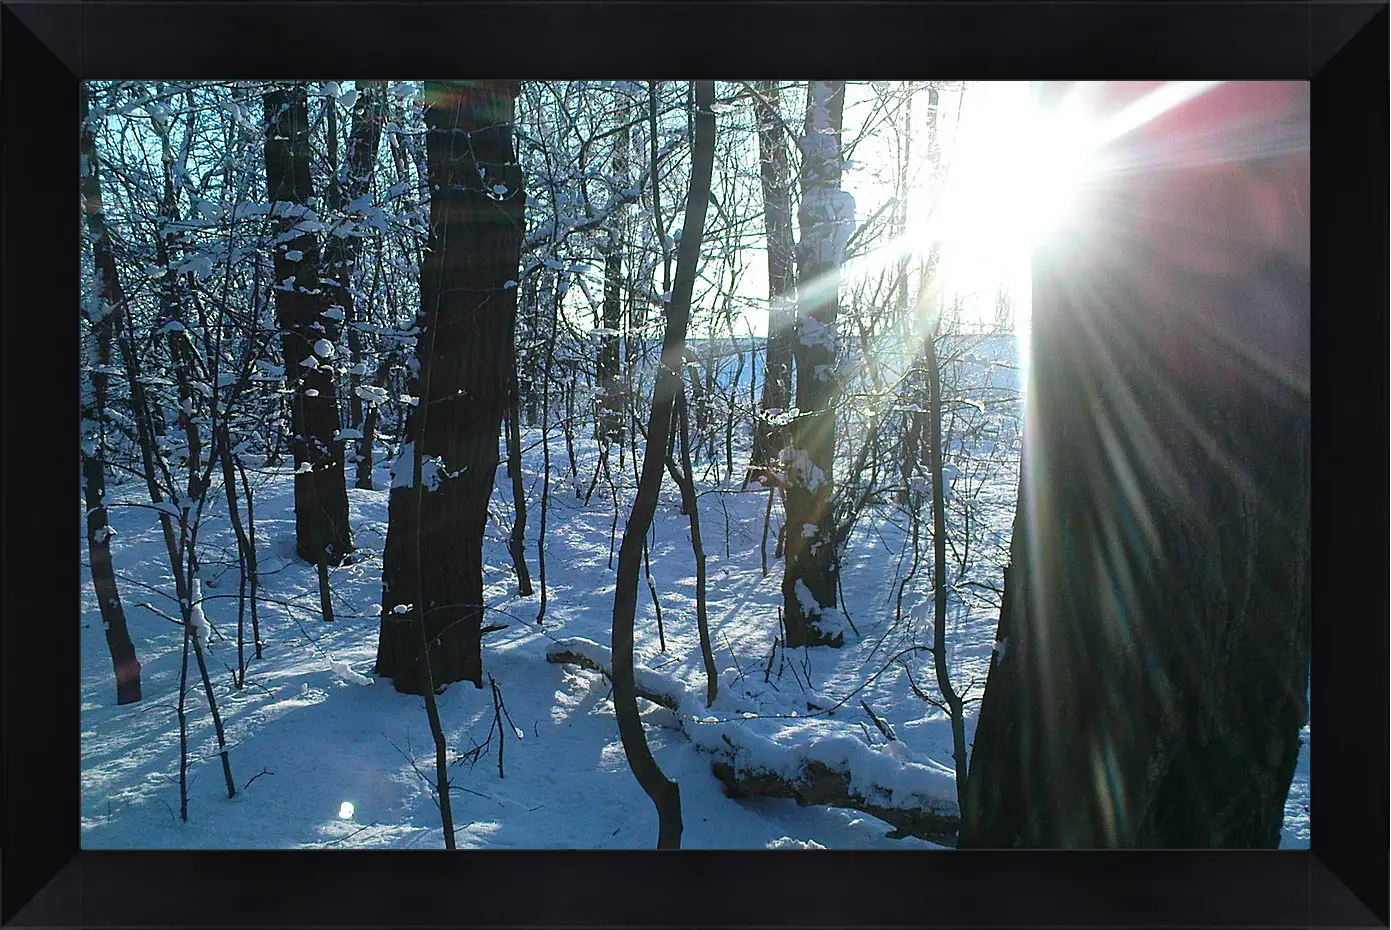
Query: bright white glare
{"type": "Point", "coordinates": [1052, 173]}
{"type": "Point", "coordinates": [1015, 176]}
{"type": "Point", "coordinates": [1156, 103]}
{"type": "Point", "coordinates": [345, 810]}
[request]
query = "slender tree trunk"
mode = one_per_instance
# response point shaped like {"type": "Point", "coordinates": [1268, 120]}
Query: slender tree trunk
{"type": "Point", "coordinates": [516, 545]}
{"type": "Point", "coordinates": [612, 399]}
{"type": "Point", "coordinates": [955, 706]}
{"type": "Point", "coordinates": [665, 795]}
{"type": "Point", "coordinates": [686, 479]}
{"type": "Point", "coordinates": [217, 718]}
{"type": "Point", "coordinates": [253, 574]}
{"type": "Point", "coordinates": [1150, 671]}
{"type": "Point", "coordinates": [102, 318]}
{"type": "Point", "coordinates": [308, 336]}
{"type": "Point", "coordinates": [246, 557]}
{"type": "Point", "coordinates": [171, 294]}
{"type": "Point", "coordinates": [343, 247]}
{"type": "Point", "coordinates": [546, 453]}
{"type": "Point", "coordinates": [369, 429]}
{"type": "Point", "coordinates": [567, 427]}
{"type": "Point", "coordinates": [774, 175]}
{"type": "Point", "coordinates": [181, 713]}
{"type": "Point", "coordinates": [433, 566]}
{"type": "Point", "coordinates": [530, 401]}
{"type": "Point", "coordinates": [827, 217]}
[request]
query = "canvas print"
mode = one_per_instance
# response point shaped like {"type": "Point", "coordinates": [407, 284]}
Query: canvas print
{"type": "Point", "coordinates": [787, 464]}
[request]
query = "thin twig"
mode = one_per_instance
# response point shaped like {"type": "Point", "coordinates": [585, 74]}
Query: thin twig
{"type": "Point", "coordinates": [256, 776]}
{"type": "Point", "coordinates": [883, 726]}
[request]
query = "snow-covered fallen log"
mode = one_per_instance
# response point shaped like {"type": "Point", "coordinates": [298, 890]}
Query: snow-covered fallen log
{"type": "Point", "coordinates": [819, 783]}
{"type": "Point", "coordinates": [582, 652]}
{"type": "Point", "coordinates": [916, 799]}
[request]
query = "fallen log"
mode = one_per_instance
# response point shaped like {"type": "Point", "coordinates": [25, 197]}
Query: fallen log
{"type": "Point", "coordinates": [807, 781]}
{"type": "Point", "coordinates": [819, 784]}
{"type": "Point", "coordinates": [563, 654]}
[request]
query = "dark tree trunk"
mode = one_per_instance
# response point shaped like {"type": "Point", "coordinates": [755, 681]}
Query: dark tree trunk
{"type": "Point", "coordinates": [102, 318]}
{"type": "Point", "coordinates": [827, 216]}
{"type": "Point", "coordinates": [321, 497]}
{"type": "Point", "coordinates": [955, 705]}
{"type": "Point", "coordinates": [530, 391]}
{"type": "Point", "coordinates": [690, 505]}
{"type": "Point", "coordinates": [369, 429]}
{"type": "Point", "coordinates": [252, 571]}
{"type": "Point", "coordinates": [665, 795]}
{"type": "Point", "coordinates": [342, 248]}
{"type": "Point", "coordinates": [777, 220]}
{"type": "Point", "coordinates": [612, 399]}
{"type": "Point", "coordinates": [246, 551]}
{"type": "Point", "coordinates": [469, 304]}
{"type": "Point", "coordinates": [1150, 673]}
{"type": "Point", "coordinates": [172, 298]}
{"type": "Point", "coordinates": [516, 544]}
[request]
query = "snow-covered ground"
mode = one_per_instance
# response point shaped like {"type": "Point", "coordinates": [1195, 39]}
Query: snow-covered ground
{"type": "Point", "coordinates": [325, 757]}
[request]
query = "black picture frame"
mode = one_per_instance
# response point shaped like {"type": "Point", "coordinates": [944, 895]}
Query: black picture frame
{"type": "Point", "coordinates": [45, 47]}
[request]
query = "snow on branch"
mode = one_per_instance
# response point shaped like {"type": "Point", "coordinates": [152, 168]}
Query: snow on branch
{"type": "Point", "coordinates": [917, 799]}
{"type": "Point", "coordinates": [558, 227]}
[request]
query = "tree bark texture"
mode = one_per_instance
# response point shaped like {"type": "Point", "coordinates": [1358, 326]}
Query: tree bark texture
{"type": "Point", "coordinates": [1150, 672]}
{"type": "Point", "coordinates": [940, 587]}
{"type": "Point", "coordinates": [102, 317]}
{"type": "Point", "coordinates": [665, 795]}
{"type": "Point", "coordinates": [827, 217]}
{"type": "Point", "coordinates": [516, 544]}
{"type": "Point", "coordinates": [343, 246]}
{"type": "Point", "coordinates": [613, 397]}
{"type": "Point", "coordinates": [690, 503]}
{"type": "Point", "coordinates": [307, 335]}
{"type": "Point", "coordinates": [369, 427]}
{"type": "Point", "coordinates": [774, 176]}
{"type": "Point", "coordinates": [469, 303]}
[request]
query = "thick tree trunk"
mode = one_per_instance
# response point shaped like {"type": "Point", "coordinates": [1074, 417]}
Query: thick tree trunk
{"type": "Point", "coordinates": [827, 217]}
{"type": "Point", "coordinates": [777, 220]}
{"type": "Point", "coordinates": [1149, 678]}
{"type": "Point", "coordinates": [102, 318]}
{"type": "Point", "coordinates": [434, 552]}
{"type": "Point", "coordinates": [665, 795]}
{"type": "Point", "coordinates": [308, 336]}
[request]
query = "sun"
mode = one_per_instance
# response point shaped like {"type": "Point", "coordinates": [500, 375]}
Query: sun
{"type": "Point", "coordinates": [1021, 173]}
{"type": "Point", "coordinates": [1055, 164]}
{"type": "Point", "coordinates": [1015, 176]}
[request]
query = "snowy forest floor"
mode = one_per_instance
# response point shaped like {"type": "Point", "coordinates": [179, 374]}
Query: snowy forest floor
{"type": "Point", "coordinates": [307, 738]}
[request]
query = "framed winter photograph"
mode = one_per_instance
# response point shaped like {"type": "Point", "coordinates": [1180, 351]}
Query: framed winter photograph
{"type": "Point", "coordinates": [621, 439]}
